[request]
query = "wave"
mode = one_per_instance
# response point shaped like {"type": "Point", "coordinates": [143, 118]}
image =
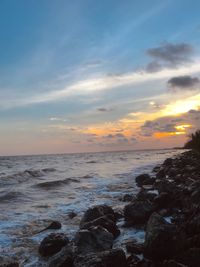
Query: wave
{"type": "Point", "coordinates": [56, 183]}
{"type": "Point", "coordinates": [12, 195]}
{"type": "Point", "coordinates": [20, 177]}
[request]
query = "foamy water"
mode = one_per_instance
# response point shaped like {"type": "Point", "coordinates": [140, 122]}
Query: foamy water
{"type": "Point", "coordinates": [37, 189]}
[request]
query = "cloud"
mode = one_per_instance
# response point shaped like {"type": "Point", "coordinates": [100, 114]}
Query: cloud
{"type": "Point", "coordinates": [104, 109]}
{"type": "Point", "coordinates": [183, 124]}
{"type": "Point", "coordinates": [184, 83]}
{"type": "Point", "coordinates": [169, 55]}
{"type": "Point", "coordinates": [172, 53]}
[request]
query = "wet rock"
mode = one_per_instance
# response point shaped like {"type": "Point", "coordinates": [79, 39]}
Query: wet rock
{"type": "Point", "coordinates": [96, 212]}
{"type": "Point", "coordinates": [138, 212]}
{"type": "Point", "coordinates": [127, 198]}
{"type": "Point", "coordinates": [106, 223]}
{"type": "Point", "coordinates": [64, 258]}
{"type": "Point", "coordinates": [195, 196]}
{"type": "Point", "coordinates": [168, 162]}
{"type": "Point", "coordinates": [161, 241]}
{"type": "Point", "coordinates": [110, 258]}
{"type": "Point", "coordinates": [144, 179]}
{"type": "Point", "coordinates": [93, 240]}
{"type": "Point", "coordinates": [161, 174]}
{"type": "Point", "coordinates": [72, 214]}
{"type": "Point", "coordinates": [52, 244]}
{"type": "Point", "coordinates": [55, 225]}
{"type": "Point", "coordinates": [190, 258]}
{"type": "Point", "coordinates": [132, 246]}
{"type": "Point", "coordinates": [163, 200]}
{"type": "Point", "coordinates": [146, 195]}
{"type": "Point", "coordinates": [132, 261]}
{"type": "Point", "coordinates": [9, 264]}
{"type": "Point", "coordinates": [172, 263]}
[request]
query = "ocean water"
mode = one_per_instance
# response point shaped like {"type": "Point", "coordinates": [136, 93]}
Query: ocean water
{"type": "Point", "coordinates": [34, 190]}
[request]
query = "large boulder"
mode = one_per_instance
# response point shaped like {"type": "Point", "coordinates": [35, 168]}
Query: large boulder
{"type": "Point", "coordinates": [93, 240]}
{"type": "Point", "coordinates": [106, 222]}
{"type": "Point", "coordinates": [161, 240]}
{"type": "Point", "coordinates": [95, 212]}
{"type": "Point", "coordinates": [52, 244]}
{"type": "Point", "coordinates": [138, 212]}
{"type": "Point", "coordinates": [110, 258]}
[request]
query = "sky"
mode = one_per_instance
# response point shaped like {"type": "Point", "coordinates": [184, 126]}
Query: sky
{"type": "Point", "coordinates": [88, 75]}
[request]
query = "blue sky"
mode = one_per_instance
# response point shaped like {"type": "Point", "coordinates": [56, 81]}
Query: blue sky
{"type": "Point", "coordinates": [73, 72]}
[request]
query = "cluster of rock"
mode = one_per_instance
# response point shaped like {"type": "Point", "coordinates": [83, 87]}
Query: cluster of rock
{"type": "Point", "coordinates": [167, 207]}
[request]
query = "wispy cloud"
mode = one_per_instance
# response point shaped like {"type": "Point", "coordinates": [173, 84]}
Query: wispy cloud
{"type": "Point", "coordinates": [94, 85]}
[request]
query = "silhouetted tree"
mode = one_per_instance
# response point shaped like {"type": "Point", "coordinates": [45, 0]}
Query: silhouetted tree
{"type": "Point", "coordinates": [194, 142]}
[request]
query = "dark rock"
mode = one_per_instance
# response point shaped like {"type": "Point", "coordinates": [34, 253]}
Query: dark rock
{"type": "Point", "coordinates": [161, 174]}
{"type": "Point", "coordinates": [132, 261]}
{"type": "Point", "coordinates": [144, 179]}
{"type": "Point", "coordinates": [127, 198]}
{"type": "Point", "coordinates": [72, 214]}
{"type": "Point", "coordinates": [52, 244]}
{"type": "Point", "coordinates": [64, 258]}
{"type": "Point", "coordinates": [163, 200]}
{"type": "Point", "coordinates": [55, 225]}
{"type": "Point", "coordinates": [93, 240]}
{"type": "Point", "coordinates": [138, 212]}
{"type": "Point", "coordinates": [96, 212]}
{"type": "Point", "coordinates": [195, 196]}
{"type": "Point", "coordinates": [110, 258]}
{"type": "Point", "coordinates": [132, 246]}
{"type": "Point", "coordinates": [146, 195]}
{"type": "Point", "coordinates": [190, 258]}
{"type": "Point", "coordinates": [168, 162]}
{"type": "Point", "coordinates": [106, 223]}
{"type": "Point", "coordinates": [172, 263]}
{"type": "Point", "coordinates": [161, 240]}
{"type": "Point", "coordinates": [9, 264]}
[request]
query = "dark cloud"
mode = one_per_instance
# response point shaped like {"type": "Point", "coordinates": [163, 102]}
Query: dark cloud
{"type": "Point", "coordinates": [104, 109]}
{"type": "Point", "coordinates": [169, 55]}
{"type": "Point", "coordinates": [183, 83]}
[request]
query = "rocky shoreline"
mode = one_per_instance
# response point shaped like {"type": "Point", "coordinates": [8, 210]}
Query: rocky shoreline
{"type": "Point", "coordinates": [166, 207]}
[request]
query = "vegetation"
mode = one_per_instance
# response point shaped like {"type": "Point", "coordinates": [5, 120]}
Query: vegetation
{"type": "Point", "coordinates": [194, 142]}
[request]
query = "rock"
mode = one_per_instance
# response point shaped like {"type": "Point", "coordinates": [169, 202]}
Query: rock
{"type": "Point", "coordinates": [105, 222]}
{"type": "Point", "coordinates": [55, 225]}
{"type": "Point", "coordinates": [93, 240]}
{"type": "Point", "coordinates": [144, 179]}
{"type": "Point", "coordinates": [127, 198]}
{"type": "Point", "coordinates": [132, 261]}
{"type": "Point", "coordinates": [52, 244]}
{"type": "Point", "coordinates": [132, 246]}
{"type": "Point", "coordinates": [146, 195]}
{"type": "Point", "coordinates": [190, 258]}
{"type": "Point", "coordinates": [138, 212]}
{"type": "Point", "coordinates": [110, 258]}
{"type": "Point", "coordinates": [64, 258]}
{"type": "Point", "coordinates": [172, 263]}
{"type": "Point", "coordinates": [168, 162]}
{"type": "Point", "coordinates": [161, 174]}
{"type": "Point", "coordinates": [96, 212]}
{"type": "Point", "coordinates": [160, 240]}
{"type": "Point", "coordinates": [163, 200]}
{"type": "Point", "coordinates": [9, 264]}
{"type": "Point", "coordinates": [72, 214]}
{"type": "Point", "coordinates": [195, 196]}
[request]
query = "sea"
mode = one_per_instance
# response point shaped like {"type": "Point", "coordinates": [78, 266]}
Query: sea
{"type": "Point", "coordinates": [35, 190]}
